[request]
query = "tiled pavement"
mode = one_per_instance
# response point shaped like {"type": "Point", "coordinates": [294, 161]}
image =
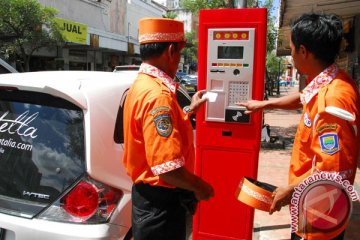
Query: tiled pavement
{"type": "Point", "coordinates": [273, 169]}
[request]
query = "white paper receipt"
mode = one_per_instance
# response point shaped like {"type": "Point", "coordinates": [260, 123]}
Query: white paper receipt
{"type": "Point", "coordinates": [211, 96]}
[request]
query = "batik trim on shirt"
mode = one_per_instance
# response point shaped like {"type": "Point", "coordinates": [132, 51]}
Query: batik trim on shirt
{"type": "Point", "coordinates": [162, 37]}
{"type": "Point", "coordinates": [324, 78]}
{"type": "Point", "coordinates": [155, 72]}
{"type": "Point", "coordinates": [168, 166]}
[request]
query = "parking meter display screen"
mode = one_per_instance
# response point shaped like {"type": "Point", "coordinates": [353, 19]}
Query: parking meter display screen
{"type": "Point", "coordinates": [230, 52]}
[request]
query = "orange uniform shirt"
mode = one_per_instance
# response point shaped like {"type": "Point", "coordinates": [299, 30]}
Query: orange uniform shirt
{"type": "Point", "coordinates": [158, 135]}
{"type": "Point", "coordinates": [333, 141]}
{"type": "Point", "coordinates": [326, 140]}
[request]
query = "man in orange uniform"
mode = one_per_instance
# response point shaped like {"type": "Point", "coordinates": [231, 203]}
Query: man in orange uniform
{"type": "Point", "coordinates": [327, 137]}
{"type": "Point", "coordinates": [159, 148]}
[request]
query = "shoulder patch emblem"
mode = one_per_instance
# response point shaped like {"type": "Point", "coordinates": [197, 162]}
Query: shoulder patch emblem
{"type": "Point", "coordinates": [163, 124]}
{"type": "Point", "coordinates": [329, 143]}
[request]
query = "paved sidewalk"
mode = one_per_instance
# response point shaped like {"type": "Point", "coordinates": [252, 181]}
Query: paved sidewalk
{"type": "Point", "coordinates": [273, 169]}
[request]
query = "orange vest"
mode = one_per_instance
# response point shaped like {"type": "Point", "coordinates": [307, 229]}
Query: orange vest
{"type": "Point", "coordinates": [326, 142]}
{"type": "Point", "coordinates": [158, 135]}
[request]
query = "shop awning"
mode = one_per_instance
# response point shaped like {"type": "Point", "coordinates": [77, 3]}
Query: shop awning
{"type": "Point", "coordinates": [291, 9]}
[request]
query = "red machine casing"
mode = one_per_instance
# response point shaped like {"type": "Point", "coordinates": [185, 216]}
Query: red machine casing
{"type": "Point", "coordinates": [231, 63]}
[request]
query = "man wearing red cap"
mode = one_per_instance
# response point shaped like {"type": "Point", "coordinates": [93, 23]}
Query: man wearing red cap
{"type": "Point", "coordinates": [159, 149]}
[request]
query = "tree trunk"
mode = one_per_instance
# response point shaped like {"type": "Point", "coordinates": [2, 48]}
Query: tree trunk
{"type": "Point", "coordinates": [230, 4]}
{"type": "Point", "coordinates": [27, 63]}
{"type": "Point", "coordinates": [25, 60]}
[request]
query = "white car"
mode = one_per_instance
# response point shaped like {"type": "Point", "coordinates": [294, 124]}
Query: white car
{"type": "Point", "coordinates": [121, 68]}
{"type": "Point", "coordinates": [61, 171]}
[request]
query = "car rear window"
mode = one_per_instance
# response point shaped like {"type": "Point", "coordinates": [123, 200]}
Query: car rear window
{"type": "Point", "coordinates": [3, 70]}
{"type": "Point", "coordinates": [42, 148]}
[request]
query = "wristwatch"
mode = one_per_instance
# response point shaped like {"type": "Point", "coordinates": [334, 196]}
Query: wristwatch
{"type": "Point", "coordinates": [187, 110]}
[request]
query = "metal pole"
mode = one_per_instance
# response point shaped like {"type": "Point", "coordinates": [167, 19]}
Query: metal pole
{"type": "Point", "coordinates": [240, 3]}
{"type": "Point", "coordinates": [128, 31]}
{"type": "Point", "coordinates": [278, 80]}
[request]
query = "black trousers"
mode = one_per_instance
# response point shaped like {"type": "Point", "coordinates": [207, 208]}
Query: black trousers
{"type": "Point", "coordinates": [339, 237]}
{"type": "Point", "coordinates": [157, 213]}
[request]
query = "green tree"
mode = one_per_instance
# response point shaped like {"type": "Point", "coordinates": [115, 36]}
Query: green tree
{"type": "Point", "coordinates": [275, 65]}
{"type": "Point", "coordinates": [170, 14]}
{"type": "Point", "coordinates": [190, 52]}
{"type": "Point", "coordinates": [271, 25]}
{"type": "Point", "coordinates": [274, 69]}
{"type": "Point", "coordinates": [195, 5]}
{"type": "Point", "coordinates": [26, 26]}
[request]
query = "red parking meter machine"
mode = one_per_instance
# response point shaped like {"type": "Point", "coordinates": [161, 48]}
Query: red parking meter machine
{"type": "Point", "coordinates": [231, 67]}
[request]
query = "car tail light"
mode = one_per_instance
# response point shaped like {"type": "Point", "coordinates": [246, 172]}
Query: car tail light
{"type": "Point", "coordinates": [89, 201]}
{"type": "Point", "coordinates": [82, 201]}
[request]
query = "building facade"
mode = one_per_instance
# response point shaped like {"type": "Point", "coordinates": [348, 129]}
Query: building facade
{"type": "Point", "coordinates": [348, 11]}
{"type": "Point", "coordinates": [100, 34]}
{"type": "Point", "coordinates": [190, 25]}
